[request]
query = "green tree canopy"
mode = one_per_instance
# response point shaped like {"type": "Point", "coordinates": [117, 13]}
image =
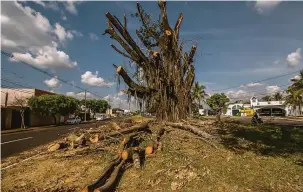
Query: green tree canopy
{"type": "Point", "coordinates": [96, 105]}
{"type": "Point", "coordinates": [218, 101]}
{"type": "Point", "coordinates": [198, 92]}
{"type": "Point", "coordinates": [278, 97]}
{"type": "Point", "coordinates": [53, 105]}
{"type": "Point", "coordinates": [295, 93]}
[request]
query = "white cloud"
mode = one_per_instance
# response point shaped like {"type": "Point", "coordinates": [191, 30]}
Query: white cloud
{"type": "Point", "coordinates": [297, 77]}
{"type": "Point", "coordinates": [240, 94]}
{"type": "Point", "coordinates": [294, 58]}
{"type": "Point", "coordinates": [64, 18]}
{"type": "Point", "coordinates": [30, 36]}
{"type": "Point", "coordinates": [47, 4]}
{"type": "Point", "coordinates": [46, 57]}
{"type": "Point", "coordinates": [70, 6]}
{"type": "Point", "coordinates": [93, 37]}
{"type": "Point", "coordinates": [92, 79]}
{"type": "Point", "coordinates": [53, 83]}
{"type": "Point", "coordinates": [252, 85]}
{"type": "Point", "coordinates": [120, 100]}
{"type": "Point", "coordinates": [4, 19]}
{"type": "Point", "coordinates": [62, 34]}
{"type": "Point", "coordinates": [265, 7]}
{"type": "Point", "coordinates": [77, 33]}
{"type": "Point", "coordinates": [277, 62]}
{"type": "Point", "coordinates": [273, 89]}
{"type": "Point", "coordinates": [80, 95]}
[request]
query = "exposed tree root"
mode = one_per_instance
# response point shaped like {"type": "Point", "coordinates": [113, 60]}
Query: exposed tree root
{"type": "Point", "coordinates": [191, 129]}
{"type": "Point", "coordinates": [110, 182]}
{"type": "Point", "coordinates": [105, 174]}
{"type": "Point", "coordinates": [202, 135]}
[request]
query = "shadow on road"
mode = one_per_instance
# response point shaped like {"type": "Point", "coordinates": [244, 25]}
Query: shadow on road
{"type": "Point", "coordinates": [265, 139]}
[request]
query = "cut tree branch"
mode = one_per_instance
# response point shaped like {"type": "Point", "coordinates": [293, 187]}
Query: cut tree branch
{"type": "Point", "coordinates": [139, 127]}
{"type": "Point", "coordinates": [192, 129]}
{"type": "Point", "coordinates": [152, 33]}
{"type": "Point", "coordinates": [126, 37]}
{"type": "Point", "coordinates": [119, 51]}
{"type": "Point", "coordinates": [162, 6]}
{"type": "Point", "coordinates": [115, 36]}
{"type": "Point", "coordinates": [120, 70]}
{"type": "Point", "coordinates": [177, 26]}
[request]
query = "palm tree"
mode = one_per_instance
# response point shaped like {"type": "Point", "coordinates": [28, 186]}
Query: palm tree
{"type": "Point", "coordinates": [295, 91]}
{"type": "Point", "coordinates": [198, 92]}
{"type": "Point", "coordinates": [294, 98]}
{"type": "Point", "coordinates": [298, 82]}
{"type": "Point", "coordinates": [266, 98]}
{"type": "Point", "coordinates": [278, 97]}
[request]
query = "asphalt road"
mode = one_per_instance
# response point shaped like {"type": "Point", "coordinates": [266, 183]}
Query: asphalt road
{"type": "Point", "coordinates": [280, 121]}
{"type": "Point", "coordinates": [14, 143]}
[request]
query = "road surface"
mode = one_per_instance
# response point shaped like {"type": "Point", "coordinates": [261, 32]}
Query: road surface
{"type": "Point", "coordinates": [280, 121]}
{"type": "Point", "coordinates": [14, 143]}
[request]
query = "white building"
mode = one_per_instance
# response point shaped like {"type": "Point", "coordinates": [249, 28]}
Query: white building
{"type": "Point", "coordinates": [265, 108]}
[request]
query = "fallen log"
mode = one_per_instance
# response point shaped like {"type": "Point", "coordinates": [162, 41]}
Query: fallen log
{"type": "Point", "coordinates": [202, 135]}
{"type": "Point", "coordinates": [105, 174]}
{"type": "Point", "coordinates": [136, 159]}
{"type": "Point", "coordinates": [94, 139]}
{"type": "Point", "coordinates": [114, 126]}
{"type": "Point", "coordinates": [192, 129]}
{"type": "Point", "coordinates": [56, 146]}
{"type": "Point", "coordinates": [110, 182]}
{"type": "Point", "coordinates": [139, 127]}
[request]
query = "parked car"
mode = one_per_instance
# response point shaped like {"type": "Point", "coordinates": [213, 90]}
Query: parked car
{"type": "Point", "coordinates": [73, 120]}
{"type": "Point", "coordinates": [100, 118]}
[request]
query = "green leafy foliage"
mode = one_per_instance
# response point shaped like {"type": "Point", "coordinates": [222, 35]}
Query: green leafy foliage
{"type": "Point", "coordinates": [148, 28]}
{"type": "Point", "coordinates": [198, 92]}
{"type": "Point", "coordinates": [295, 93]}
{"type": "Point", "coordinates": [218, 101]}
{"type": "Point", "coordinates": [53, 105]}
{"type": "Point", "coordinates": [278, 97]}
{"type": "Point", "coordinates": [96, 105]}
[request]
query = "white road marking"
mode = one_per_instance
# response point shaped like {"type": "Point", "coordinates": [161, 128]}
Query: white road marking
{"type": "Point", "coordinates": [16, 140]}
{"type": "Point", "coordinates": [20, 161]}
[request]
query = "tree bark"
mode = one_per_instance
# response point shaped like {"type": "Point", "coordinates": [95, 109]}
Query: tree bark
{"type": "Point", "coordinates": [109, 183]}
{"type": "Point", "coordinates": [22, 118]}
{"type": "Point", "coordinates": [192, 129]}
{"type": "Point", "coordinates": [54, 118]}
{"type": "Point", "coordinates": [139, 127]}
{"type": "Point", "coordinates": [105, 174]}
{"type": "Point", "coordinates": [168, 74]}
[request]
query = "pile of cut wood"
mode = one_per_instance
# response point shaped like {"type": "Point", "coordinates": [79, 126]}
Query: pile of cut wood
{"type": "Point", "coordinates": [137, 142]}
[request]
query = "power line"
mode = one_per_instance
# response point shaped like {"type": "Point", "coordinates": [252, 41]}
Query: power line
{"type": "Point", "coordinates": [270, 78]}
{"type": "Point", "coordinates": [47, 73]}
{"type": "Point", "coordinates": [260, 94]}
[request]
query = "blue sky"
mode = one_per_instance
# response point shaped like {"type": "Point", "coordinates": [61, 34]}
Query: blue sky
{"type": "Point", "coordinates": [239, 43]}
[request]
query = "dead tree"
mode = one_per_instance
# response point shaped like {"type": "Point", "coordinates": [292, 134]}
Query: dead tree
{"type": "Point", "coordinates": [168, 73]}
{"type": "Point", "coordinates": [21, 104]}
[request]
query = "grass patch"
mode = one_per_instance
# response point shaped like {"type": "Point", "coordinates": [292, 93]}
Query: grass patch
{"type": "Point", "coordinates": [185, 164]}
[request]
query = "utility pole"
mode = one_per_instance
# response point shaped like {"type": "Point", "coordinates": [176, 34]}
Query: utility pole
{"type": "Point", "coordinates": [85, 106]}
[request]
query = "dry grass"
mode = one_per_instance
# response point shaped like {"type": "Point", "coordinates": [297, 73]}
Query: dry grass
{"type": "Point", "coordinates": [185, 164]}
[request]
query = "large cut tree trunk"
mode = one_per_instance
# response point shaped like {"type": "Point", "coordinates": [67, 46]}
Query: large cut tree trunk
{"type": "Point", "coordinates": [168, 73]}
